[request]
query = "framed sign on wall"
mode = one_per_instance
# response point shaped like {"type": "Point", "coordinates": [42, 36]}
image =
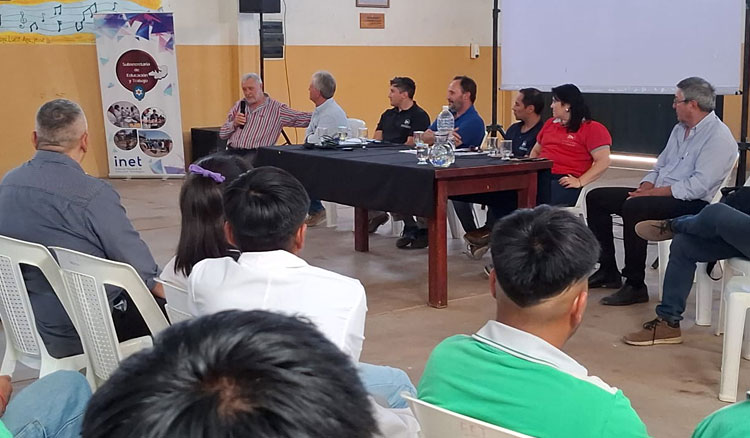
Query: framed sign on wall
{"type": "Point", "coordinates": [373, 3]}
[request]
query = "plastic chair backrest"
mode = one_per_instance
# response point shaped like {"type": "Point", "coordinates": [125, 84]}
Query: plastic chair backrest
{"type": "Point", "coordinates": [437, 422]}
{"type": "Point", "coordinates": [85, 277]}
{"type": "Point", "coordinates": [15, 308]}
{"type": "Point", "coordinates": [353, 125]}
{"type": "Point", "coordinates": [726, 183]}
{"type": "Point", "coordinates": [177, 302]}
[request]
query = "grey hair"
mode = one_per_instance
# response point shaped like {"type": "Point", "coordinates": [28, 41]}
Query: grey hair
{"type": "Point", "coordinates": [699, 90]}
{"type": "Point", "coordinates": [253, 76]}
{"type": "Point", "coordinates": [325, 83]}
{"type": "Point", "coordinates": [56, 121]}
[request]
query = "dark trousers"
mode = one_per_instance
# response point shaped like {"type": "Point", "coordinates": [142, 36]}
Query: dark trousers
{"type": "Point", "coordinates": [603, 202]}
{"type": "Point", "coordinates": [718, 232]}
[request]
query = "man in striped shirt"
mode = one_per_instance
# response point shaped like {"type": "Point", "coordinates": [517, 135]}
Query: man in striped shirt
{"type": "Point", "coordinates": [257, 119]}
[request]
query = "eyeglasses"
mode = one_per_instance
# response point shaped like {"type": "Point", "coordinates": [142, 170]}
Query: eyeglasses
{"type": "Point", "coordinates": [675, 102]}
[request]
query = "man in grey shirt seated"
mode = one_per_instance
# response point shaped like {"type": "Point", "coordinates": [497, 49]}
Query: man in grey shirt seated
{"type": "Point", "coordinates": [51, 201]}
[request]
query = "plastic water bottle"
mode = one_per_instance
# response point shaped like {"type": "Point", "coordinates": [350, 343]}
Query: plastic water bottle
{"type": "Point", "coordinates": [445, 121]}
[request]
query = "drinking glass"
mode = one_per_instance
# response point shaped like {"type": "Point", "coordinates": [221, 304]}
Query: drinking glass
{"type": "Point", "coordinates": [362, 135]}
{"type": "Point", "coordinates": [506, 149]}
{"type": "Point", "coordinates": [492, 147]}
{"type": "Point", "coordinates": [320, 133]}
{"type": "Point", "coordinates": [342, 132]}
{"type": "Point", "coordinates": [423, 151]}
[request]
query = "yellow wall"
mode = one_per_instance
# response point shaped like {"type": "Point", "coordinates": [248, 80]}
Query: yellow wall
{"type": "Point", "coordinates": [209, 84]}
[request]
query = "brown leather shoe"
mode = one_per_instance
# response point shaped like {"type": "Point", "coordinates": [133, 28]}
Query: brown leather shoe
{"type": "Point", "coordinates": [479, 237]}
{"type": "Point", "coordinates": [654, 231]}
{"type": "Point", "coordinates": [655, 332]}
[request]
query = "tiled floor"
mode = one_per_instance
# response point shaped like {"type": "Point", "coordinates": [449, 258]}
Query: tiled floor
{"type": "Point", "coordinates": [671, 387]}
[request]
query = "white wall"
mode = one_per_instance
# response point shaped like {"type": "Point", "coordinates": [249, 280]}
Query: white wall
{"type": "Point", "coordinates": [204, 22]}
{"type": "Point", "coordinates": [336, 23]}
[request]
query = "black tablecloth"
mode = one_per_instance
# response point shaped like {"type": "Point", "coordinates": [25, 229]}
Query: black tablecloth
{"type": "Point", "coordinates": [377, 178]}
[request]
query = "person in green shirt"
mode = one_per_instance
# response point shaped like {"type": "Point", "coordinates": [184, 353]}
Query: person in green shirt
{"type": "Point", "coordinates": [729, 422]}
{"type": "Point", "coordinates": [512, 372]}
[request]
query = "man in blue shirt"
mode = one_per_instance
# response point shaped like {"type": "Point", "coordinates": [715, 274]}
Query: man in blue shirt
{"type": "Point", "coordinates": [468, 132]}
{"type": "Point", "coordinates": [469, 126]}
{"type": "Point", "coordinates": [51, 201]}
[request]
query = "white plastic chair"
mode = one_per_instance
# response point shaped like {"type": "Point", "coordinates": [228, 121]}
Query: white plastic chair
{"type": "Point", "coordinates": [177, 302]}
{"type": "Point", "coordinates": [704, 285]}
{"type": "Point", "coordinates": [85, 277]}
{"type": "Point", "coordinates": [736, 337]}
{"type": "Point", "coordinates": [22, 341]}
{"type": "Point", "coordinates": [353, 125]}
{"type": "Point", "coordinates": [437, 422]}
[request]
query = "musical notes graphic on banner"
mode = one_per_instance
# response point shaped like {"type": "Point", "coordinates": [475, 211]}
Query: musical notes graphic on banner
{"type": "Point", "coordinates": [71, 17]}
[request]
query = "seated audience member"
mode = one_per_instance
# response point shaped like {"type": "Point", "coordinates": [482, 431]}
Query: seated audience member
{"type": "Point", "coordinates": [202, 211]}
{"type": "Point", "coordinates": [234, 374]}
{"type": "Point", "coordinates": [397, 125]}
{"type": "Point", "coordinates": [329, 115]}
{"type": "Point", "coordinates": [53, 406]}
{"type": "Point", "coordinates": [700, 152]}
{"type": "Point", "coordinates": [54, 203]}
{"type": "Point", "coordinates": [518, 376]}
{"type": "Point", "coordinates": [718, 232]}
{"type": "Point", "coordinates": [469, 132]}
{"type": "Point", "coordinates": [265, 211]}
{"type": "Point", "coordinates": [728, 422]}
{"type": "Point", "coordinates": [527, 109]}
{"type": "Point", "coordinates": [258, 121]}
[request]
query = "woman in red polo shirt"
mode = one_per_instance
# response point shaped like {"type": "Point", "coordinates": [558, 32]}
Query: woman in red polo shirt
{"type": "Point", "coordinates": [578, 147]}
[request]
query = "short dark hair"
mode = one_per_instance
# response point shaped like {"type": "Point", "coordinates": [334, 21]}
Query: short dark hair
{"type": "Point", "coordinates": [538, 253]}
{"type": "Point", "coordinates": [234, 374]}
{"type": "Point", "coordinates": [579, 111]}
{"type": "Point", "coordinates": [405, 84]}
{"type": "Point", "coordinates": [468, 86]}
{"type": "Point", "coordinates": [202, 211]}
{"type": "Point", "coordinates": [265, 206]}
{"type": "Point", "coordinates": [532, 96]}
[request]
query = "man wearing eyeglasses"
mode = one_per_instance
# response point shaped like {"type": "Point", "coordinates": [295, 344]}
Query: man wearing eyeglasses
{"type": "Point", "coordinates": [699, 154]}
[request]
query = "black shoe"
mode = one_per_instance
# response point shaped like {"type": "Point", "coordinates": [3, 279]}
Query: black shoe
{"type": "Point", "coordinates": [377, 221]}
{"type": "Point", "coordinates": [421, 241]}
{"type": "Point", "coordinates": [605, 279]}
{"type": "Point", "coordinates": [407, 237]}
{"type": "Point", "coordinates": [626, 296]}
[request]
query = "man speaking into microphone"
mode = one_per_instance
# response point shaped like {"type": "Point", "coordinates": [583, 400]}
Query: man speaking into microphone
{"type": "Point", "coordinates": [257, 119]}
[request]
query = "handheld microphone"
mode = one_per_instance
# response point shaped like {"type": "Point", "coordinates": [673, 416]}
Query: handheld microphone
{"type": "Point", "coordinates": [243, 106]}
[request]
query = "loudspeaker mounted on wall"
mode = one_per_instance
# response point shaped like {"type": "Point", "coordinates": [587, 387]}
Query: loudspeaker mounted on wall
{"type": "Point", "coordinates": [260, 6]}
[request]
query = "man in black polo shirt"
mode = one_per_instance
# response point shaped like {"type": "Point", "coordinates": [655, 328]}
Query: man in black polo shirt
{"type": "Point", "coordinates": [397, 125]}
{"type": "Point", "coordinates": [527, 109]}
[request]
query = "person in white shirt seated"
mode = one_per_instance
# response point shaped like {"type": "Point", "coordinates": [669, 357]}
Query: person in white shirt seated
{"type": "Point", "coordinates": [202, 211]}
{"type": "Point", "coordinates": [265, 210]}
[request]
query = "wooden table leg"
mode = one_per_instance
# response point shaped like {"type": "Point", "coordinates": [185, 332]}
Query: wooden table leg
{"type": "Point", "coordinates": [361, 236]}
{"type": "Point", "coordinates": [438, 253]}
{"type": "Point", "coordinates": [527, 196]}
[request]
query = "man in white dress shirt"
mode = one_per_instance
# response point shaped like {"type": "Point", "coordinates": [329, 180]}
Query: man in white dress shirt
{"type": "Point", "coordinates": [328, 114]}
{"type": "Point", "coordinates": [265, 210]}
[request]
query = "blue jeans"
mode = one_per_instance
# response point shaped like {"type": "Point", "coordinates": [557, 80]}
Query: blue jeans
{"type": "Point", "coordinates": [718, 232]}
{"type": "Point", "coordinates": [315, 206]}
{"type": "Point", "coordinates": [51, 407]}
{"type": "Point", "coordinates": [386, 384]}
